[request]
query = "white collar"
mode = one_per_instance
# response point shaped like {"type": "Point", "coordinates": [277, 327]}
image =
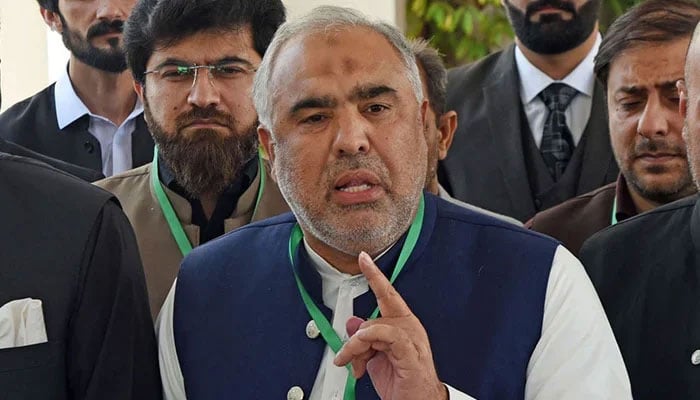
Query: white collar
{"type": "Point", "coordinates": [329, 272]}
{"type": "Point", "coordinates": [69, 107]}
{"type": "Point", "coordinates": [533, 80]}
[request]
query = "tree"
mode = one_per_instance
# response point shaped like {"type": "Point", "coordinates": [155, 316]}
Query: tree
{"type": "Point", "coordinates": [466, 30]}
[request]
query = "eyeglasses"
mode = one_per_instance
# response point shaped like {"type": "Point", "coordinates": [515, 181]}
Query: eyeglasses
{"type": "Point", "coordinates": [226, 73]}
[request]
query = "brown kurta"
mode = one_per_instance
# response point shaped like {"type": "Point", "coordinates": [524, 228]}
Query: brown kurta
{"type": "Point", "coordinates": [577, 219]}
{"type": "Point", "coordinates": [159, 252]}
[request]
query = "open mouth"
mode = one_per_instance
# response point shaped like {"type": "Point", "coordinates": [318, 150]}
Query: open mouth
{"type": "Point", "coordinates": [355, 187]}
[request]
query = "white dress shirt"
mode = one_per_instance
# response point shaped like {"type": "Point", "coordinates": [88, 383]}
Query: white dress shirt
{"type": "Point", "coordinates": [115, 141]}
{"type": "Point", "coordinates": [576, 357]}
{"type": "Point", "coordinates": [533, 81]}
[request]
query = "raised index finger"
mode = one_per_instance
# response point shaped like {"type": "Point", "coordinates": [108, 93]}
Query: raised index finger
{"type": "Point", "coordinates": [390, 302]}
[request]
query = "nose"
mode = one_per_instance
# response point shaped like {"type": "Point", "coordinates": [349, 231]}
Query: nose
{"type": "Point", "coordinates": [653, 121]}
{"type": "Point", "coordinates": [203, 93]}
{"type": "Point", "coordinates": [352, 135]}
{"type": "Point", "coordinates": [110, 10]}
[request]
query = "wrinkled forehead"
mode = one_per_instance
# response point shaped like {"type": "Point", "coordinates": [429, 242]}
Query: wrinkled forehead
{"type": "Point", "coordinates": [335, 61]}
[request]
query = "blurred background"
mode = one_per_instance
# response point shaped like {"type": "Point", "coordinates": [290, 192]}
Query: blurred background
{"type": "Point", "coordinates": [32, 56]}
{"type": "Point", "coordinates": [466, 30]}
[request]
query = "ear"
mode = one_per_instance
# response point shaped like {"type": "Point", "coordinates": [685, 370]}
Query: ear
{"type": "Point", "coordinates": [267, 148]}
{"type": "Point", "coordinates": [139, 89]}
{"type": "Point", "coordinates": [52, 19]}
{"type": "Point", "coordinates": [682, 97]}
{"type": "Point", "coordinates": [447, 128]}
{"type": "Point", "coordinates": [424, 114]}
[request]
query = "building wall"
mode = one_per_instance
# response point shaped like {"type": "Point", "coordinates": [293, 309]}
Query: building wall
{"type": "Point", "coordinates": [23, 50]}
{"type": "Point", "coordinates": [32, 56]}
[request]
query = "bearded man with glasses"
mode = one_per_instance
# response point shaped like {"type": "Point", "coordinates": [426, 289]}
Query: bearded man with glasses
{"type": "Point", "coordinates": [193, 64]}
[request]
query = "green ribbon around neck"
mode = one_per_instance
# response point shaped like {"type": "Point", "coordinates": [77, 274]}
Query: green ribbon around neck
{"type": "Point", "coordinates": [324, 326]}
{"type": "Point", "coordinates": [183, 242]}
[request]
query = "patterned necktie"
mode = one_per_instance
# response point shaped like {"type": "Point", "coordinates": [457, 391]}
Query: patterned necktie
{"type": "Point", "coordinates": [557, 142]}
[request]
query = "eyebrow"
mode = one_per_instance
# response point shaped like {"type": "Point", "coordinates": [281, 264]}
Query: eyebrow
{"type": "Point", "coordinates": [371, 92]}
{"type": "Point", "coordinates": [313, 102]}
{"type": "Point", "coordinates": [224, 60]}
{"type": "Point", "coordinates": [359, 93]}
{"type": "Point", "coordinates": [635, 90]}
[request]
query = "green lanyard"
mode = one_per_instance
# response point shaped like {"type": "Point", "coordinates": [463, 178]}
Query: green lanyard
{"type": "Point", "coordinates": [325, 327]}
{"type": "Point", "coordinates": [613, 218]}
{"type": "Point", "coordinates": [183, 243]}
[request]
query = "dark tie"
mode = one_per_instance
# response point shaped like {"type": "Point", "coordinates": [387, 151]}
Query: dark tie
{"type": "Point", "coordinates": [557, 142]}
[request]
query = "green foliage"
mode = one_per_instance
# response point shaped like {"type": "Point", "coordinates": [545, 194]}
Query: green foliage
{"type": "Point", "coordinates": [466, 30]}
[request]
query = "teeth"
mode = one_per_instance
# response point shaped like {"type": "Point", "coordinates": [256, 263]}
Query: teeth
{"type": "Point", "coordinates": [354, 189]}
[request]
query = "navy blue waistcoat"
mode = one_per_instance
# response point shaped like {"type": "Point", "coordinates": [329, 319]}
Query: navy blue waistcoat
{"type": "Point", "coordinates": [477, 285]}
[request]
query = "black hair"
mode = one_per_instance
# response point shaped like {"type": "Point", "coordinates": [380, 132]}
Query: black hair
{"type": "Point", "coordinates": [51, 5]}
{"type": "Point", "coordinates": [653, 21]}
{"type": "Point", "coordinates": [156, 23]}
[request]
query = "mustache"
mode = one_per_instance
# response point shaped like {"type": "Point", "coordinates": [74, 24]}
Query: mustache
{"type": "Point", "coordinates": [104, 27]}
{"type": "Point", "coordinates": [658, 146]}
{"type": "Point", "coordinates": [563, 5]}
{"type": "Point", "coordinates": [197, 113]}
{"type": "Point", "coordinates": [355, 162]}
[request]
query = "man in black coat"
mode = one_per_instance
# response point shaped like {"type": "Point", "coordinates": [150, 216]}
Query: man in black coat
{"type": "Point", "coordinates": [647, 273]}
{"type": "Point", "coordinates": [73, 305]}
{"type": "Point", "coordinates": [511, 154]}
{"type": "Point", "coordinates": [91, 116]}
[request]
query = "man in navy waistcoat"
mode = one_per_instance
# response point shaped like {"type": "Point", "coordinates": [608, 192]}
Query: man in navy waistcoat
{"type": "Point", "coordinates": [467, 306]}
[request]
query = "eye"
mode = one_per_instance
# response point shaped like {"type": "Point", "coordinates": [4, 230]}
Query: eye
{"type": "Point", "coordinates": [229, 70]}
{"type": "Point", "coordinates": [314, 119]}
{"type": "Point", "coordinates": [176, 73]}
{"type": "Point", "coordinates": [376, 108]}
{"type": "Point", "coordinates": [630, 104]}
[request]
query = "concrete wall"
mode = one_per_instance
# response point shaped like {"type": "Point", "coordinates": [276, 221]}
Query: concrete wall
{"type": "Point", "coordinates": [33, 56]}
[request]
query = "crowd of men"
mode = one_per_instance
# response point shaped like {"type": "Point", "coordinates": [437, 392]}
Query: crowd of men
{"type": "Point", "coordinates": [317, 209]}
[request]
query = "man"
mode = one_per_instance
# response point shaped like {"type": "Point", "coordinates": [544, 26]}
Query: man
{"type": "Point", "coordinates": [90, 117]}
{"type": "Point", "coordinates": [646, 272]}
{"type": "Point", "coordinates": [511, 154]}
{"type": "Point", "coordinates": [73, 303]}
{"type": "Point", "coordinates": [441, 124]}
{"type": "Point", "coordinates": [640, 59]}
{"type": "Point", "coordinates": [193, 64]}
{"type": "Point", "coordinates": [342, 119]}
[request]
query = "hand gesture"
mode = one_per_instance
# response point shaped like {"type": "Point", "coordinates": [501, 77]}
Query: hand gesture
{"type": "Point", "coordinates": [393, 349]}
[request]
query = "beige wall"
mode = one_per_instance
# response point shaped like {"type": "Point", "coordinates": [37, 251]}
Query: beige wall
{"type": "Point", "coordinates": [32, 57]}
{"type": "Point", "coordinates": [22, 50]}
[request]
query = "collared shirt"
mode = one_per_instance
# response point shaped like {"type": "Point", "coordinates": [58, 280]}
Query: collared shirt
{"type": "Point", "coordinates": [115, 141]}
{"type": "Point", "coordinates": [625, 205]}
{"type": "Point", "coordinates": [576, 339]}
{"type": "Point", "coordinates": [533, 81]}
{"type": "Point", "coordinates": [213, 227]}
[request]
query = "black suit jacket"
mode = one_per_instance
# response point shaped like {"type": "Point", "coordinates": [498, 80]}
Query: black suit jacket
{"type": "Point", "coordinates": [646, 271]}
{"type": "Point", "coordinates": [86, 174]}
{"type": "Point", "coordinates": [32, 123]}
{"type": "Point", "coordinates": [485, 165]}
{"type": "Point", "coordinates": [67, 243]}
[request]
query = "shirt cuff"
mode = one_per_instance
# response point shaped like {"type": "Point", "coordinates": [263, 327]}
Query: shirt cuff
{"type": "Point", "coordinates": [454, 394]}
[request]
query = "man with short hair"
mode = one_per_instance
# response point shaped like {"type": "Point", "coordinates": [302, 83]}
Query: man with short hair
{"type": "Point", "coordinates": [91, 116]}
{"type": "Point", "coordinates": [278, 308]}
{"type": "Point", "coordinates": [645, 270]}
{"type": "Point", "coordinates": [441, 124]}
{"type": "Point", "coordinates": [193, 63]}
{"type": "Point", "coordinates": [640, 59]}
{"type": "Point", "coordinates": [532, 124]}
